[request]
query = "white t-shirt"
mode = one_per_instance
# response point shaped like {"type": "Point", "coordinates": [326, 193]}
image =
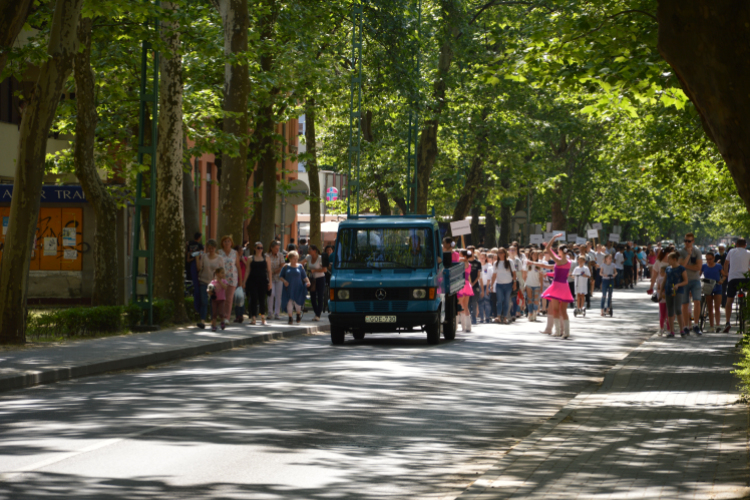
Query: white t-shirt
{"type": "Point", "coordinates": [581, 275]}
{"type": "Point", "coordinates": [619, 261]}
{"type": "Point", "coordinates": [739, 261]}
{"type": "Point", "coordinates": [487, 272]}
{"type": "Point", "coordinates": [504, 276]}
{"type": "Point", "coordinates": [600, 258]}
{"type": "Point", "coordinates": [532, 275]}
{"type": "Point", "coordinates": [315, 267]}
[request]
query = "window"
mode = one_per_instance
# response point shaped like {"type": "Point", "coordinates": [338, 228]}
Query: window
{"type": "Point", "coordinates": [385, 248]}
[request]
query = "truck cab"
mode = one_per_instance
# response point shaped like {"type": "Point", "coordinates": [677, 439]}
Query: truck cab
{"type": "Point", "coordinates": [388, 276]}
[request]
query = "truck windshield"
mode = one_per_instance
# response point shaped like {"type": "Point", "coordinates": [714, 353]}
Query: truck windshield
{"type": "Point", "coordinates": [385, 248]}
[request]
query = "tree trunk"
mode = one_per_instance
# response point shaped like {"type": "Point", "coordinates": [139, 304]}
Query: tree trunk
{"type": "Point", "coordinates": [266, 128]}
{"type": "Point", "coordinates": [559, 222]}
{"type": "Point", "coordinates": [476, 177]}
{"type": "Point", "coordinates": [191, 214]}
{"type": "Point", "coordinates": [105, 208]}
{"type": "Point", "coordinates": [490, 227]}
{"type": "Point", "coordinates": [427, 151]}
{"type": "Point", "coordinates": [505, 236]}
{"type": "Point", "coordinates": [169, 245]}
{"type": "Point", "coordinates": [384, 206]}
{"type": "Point", "coordinates": [233, 185]}
{"type": "Point", "coordinates": [253, 226]}
{"type": "Point", "coordinates": [13, 14]}
{"type": "Point", "coordinates": [400, 203]}
{"type": "Point", "coordinates": [312, 174]}
{"type": "Point", "coordinates": [32, 149]}
{"type": "Point", "coordinates": [707, 42]}
{"type": "Point", "coordinates": [475, 225]}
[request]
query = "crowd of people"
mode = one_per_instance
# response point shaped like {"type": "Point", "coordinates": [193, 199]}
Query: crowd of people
{"type": "Point", "coordinates": [229, 280]}
{"type": "Point", "coordinates": [503, 285]}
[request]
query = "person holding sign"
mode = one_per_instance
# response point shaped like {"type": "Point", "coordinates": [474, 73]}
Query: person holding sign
{"type": "Point", "coordinates": [559, 292]}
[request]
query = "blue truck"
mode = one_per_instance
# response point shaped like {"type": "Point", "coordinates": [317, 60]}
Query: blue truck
{"type": "Point", "coordinates": [388, 275]}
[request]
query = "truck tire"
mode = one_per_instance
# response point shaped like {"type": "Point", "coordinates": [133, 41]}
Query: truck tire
{"type": "Point", "coordinates": [451, 319]}
{"type": "Point", "coordinates": [337, 335]}
{"type": "Point", "coordinates": [358, 335]}
{"type": "Point", "coordinates": [433, 332]}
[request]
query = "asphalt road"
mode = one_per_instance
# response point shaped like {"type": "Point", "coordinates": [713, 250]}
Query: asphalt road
{"type": "Point", "coordinates": [387, 417]}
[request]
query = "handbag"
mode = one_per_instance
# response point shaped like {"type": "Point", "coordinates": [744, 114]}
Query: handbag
{"type": "Point", "coordinates": [239, 295]}
{"type": "Point", "coordinates": [312, 284]}
{"type": "Point", "coordinates": [655, 297]}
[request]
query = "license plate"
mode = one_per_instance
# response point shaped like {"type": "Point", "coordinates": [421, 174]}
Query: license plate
{"type": "Point", "coordinates": [380, 319]}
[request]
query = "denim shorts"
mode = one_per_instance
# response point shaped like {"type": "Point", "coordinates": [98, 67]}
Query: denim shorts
{"type": "Point", "coordinates": [692, 288]}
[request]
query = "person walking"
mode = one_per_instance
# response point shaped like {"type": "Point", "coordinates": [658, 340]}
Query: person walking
{"type": "Point", "coordinates": [239, 292]}
{"type": "Point", "coordinates": [721, 256]}
{"type": "Point", "coordinates": [692, 260]}
{"type": "Point", "coordinates": [193, 249]}
{"type": "Point", "coordinates": [218, 290]}
{"type": "Point", "coordinates": [736, 266]}
{"type": "Point", "coordinates": [276, 257]}
{"type": "Point", "coordinates": [502, 280]}
{"type": "Point", "coordinates": [559, 292]}
{"type": "Point", "coordinates": [628, 266]}
{"type": "Point", "coordinates": [532, 276]}
{"type": "Point", "coordinates": [675, 283]}
{"type": "Point", "coordinates": [317, 269]}
{"type": "Point", "coordinates": [620, 266]}
{"type": "Point", "coordinates": [712, 271]}
{"type": "Point", "coordinates": [485, 310]}
{"type": "Point", "coordinates": [295, 283]}
{"type": "Point", "coordinates": [609, 273]}
{"type": "Point", "coordinates": [231, 267]}
{"type": "Point", "coordinates": [207, 264]}
{"type": "Point", "coordinates": [466, 292]}
{"type": "Point", "coordinates": [476, 287]}
{"type": "Point", "coordinates": [258, 284]}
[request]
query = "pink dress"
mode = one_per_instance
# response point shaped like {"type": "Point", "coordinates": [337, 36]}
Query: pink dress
{"type": "Point", "coordinates": [559, 289]}
{"type": "Point", "coordinates": [466, 291]}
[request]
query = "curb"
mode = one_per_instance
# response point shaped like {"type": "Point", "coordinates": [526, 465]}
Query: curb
{"type": "Point", "coordinates": [32, 378]}
{"type": "Point", "coordinates": [479, 488]}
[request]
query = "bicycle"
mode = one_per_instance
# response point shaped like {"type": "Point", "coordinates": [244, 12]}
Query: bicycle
{"type": "Point", "coordinates": [707, 289]}
{"type": "Point", "coordinates": [741, 306]}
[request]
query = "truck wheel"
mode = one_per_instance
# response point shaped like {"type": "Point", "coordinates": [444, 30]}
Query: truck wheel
{"type": "Point", "coordinates": [451, 320]}
{"type": "Point", "coordinates": [358, 335]}
{"type": "Point", "coordinates": [337, 335]}
{"type": "Point", "coordinates": [433, 333]}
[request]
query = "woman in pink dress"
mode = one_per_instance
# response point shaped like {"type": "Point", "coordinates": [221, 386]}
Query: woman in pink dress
{"type": "Point", "coordinates": [465, 292]}
{"type": "Point", "coordinates": [558, 293]}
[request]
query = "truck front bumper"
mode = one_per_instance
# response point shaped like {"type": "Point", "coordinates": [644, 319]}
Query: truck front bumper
{"type": "Point", "coordinates": [404, 321]}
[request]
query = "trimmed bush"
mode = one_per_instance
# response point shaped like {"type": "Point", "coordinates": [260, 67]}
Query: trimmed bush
{"type": "Point", "coordinates": [163, 313]}
{"type": "Point", "coordinates": [76, 321]}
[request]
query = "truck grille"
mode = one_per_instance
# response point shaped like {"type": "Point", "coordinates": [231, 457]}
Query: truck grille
{"type": "Point", "coordinates": [390, 293]}
{"type": "Point", "coordinates": [382, 306]}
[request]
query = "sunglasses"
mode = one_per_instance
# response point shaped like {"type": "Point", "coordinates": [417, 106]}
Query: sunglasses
{"type": "Point", "coordinates": [259, 248]}
{"type": "Point", "coordinates": [688, 241]}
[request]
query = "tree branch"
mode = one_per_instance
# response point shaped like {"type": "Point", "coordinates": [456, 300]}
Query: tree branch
{"type": "Point", "coordinates": [609, 18]}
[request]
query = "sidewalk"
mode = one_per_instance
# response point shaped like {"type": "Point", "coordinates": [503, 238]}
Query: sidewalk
{"type": "Point", "coordinates": [666, 423]}
{"type": "Point", "coordinates": [28, 367]}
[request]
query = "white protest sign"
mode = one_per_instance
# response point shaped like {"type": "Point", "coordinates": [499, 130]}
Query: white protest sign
{"type": "Point", "coordinates": [461, 227]}
{"type": "Point", "coordinates": [572, 238]}
{"type": "Point", "coordinates": [597, 225]}
{"type": "Point", "coordinates": [548, 236]}
{"type": "Point", "coordinates": [580, 241]}
{"type": "Point", "coordinates": [70, 254]}
{"type": "Point", "coordinates": [614, 238]}
{"type": "Point", "coordinates": [536, 239]}
{"type": "Point", "coordinates": [593, 233]}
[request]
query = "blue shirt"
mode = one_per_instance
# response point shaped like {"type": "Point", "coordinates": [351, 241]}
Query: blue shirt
{"type": "Point", "coordinates": [628, 254]}
{"type": "Point", "coordinates": [674, 276]}
{"type": "Point", "coordinates": [713, 273]}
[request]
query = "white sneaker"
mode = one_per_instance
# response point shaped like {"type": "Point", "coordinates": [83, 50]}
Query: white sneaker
{"type": "Point", "coordinates": [661, 332]}
{"type": "Point", "coordinates": [316, 318]}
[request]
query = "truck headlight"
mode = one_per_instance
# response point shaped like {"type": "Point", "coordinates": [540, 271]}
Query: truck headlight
{"type": "Point", "coordinates": [343, 294]}
{"type": "Point", "coordinates": [419, 293]}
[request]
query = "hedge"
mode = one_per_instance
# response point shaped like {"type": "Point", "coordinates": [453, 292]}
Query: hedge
{"type": "Point", "coordinates": [89, 321]}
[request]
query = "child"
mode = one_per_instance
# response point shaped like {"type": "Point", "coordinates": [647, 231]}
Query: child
{"type": "Point", "coordinates": [218, 290]}
{"type": "Point", "coordinates": [582, 275]}
{"type": "Point", "coordinates": [674, 284]}
{"type": "Point", "coordinates": [664, 323]}
{"type": "Point", "coordinates": [608, 272]}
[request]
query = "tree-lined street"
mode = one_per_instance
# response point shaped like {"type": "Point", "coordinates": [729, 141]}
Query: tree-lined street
{"type": "Point", "coordinates": [386, 417]}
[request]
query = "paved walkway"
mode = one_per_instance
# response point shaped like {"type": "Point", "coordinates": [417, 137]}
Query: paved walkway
{"type": "Point", "coordinates": [42, 365]}
{"type": "Point", "coordinates": [665, 424]}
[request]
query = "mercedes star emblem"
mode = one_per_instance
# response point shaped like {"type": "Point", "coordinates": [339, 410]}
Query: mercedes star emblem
{"type": "Point", "coordinates": [380, 294]}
